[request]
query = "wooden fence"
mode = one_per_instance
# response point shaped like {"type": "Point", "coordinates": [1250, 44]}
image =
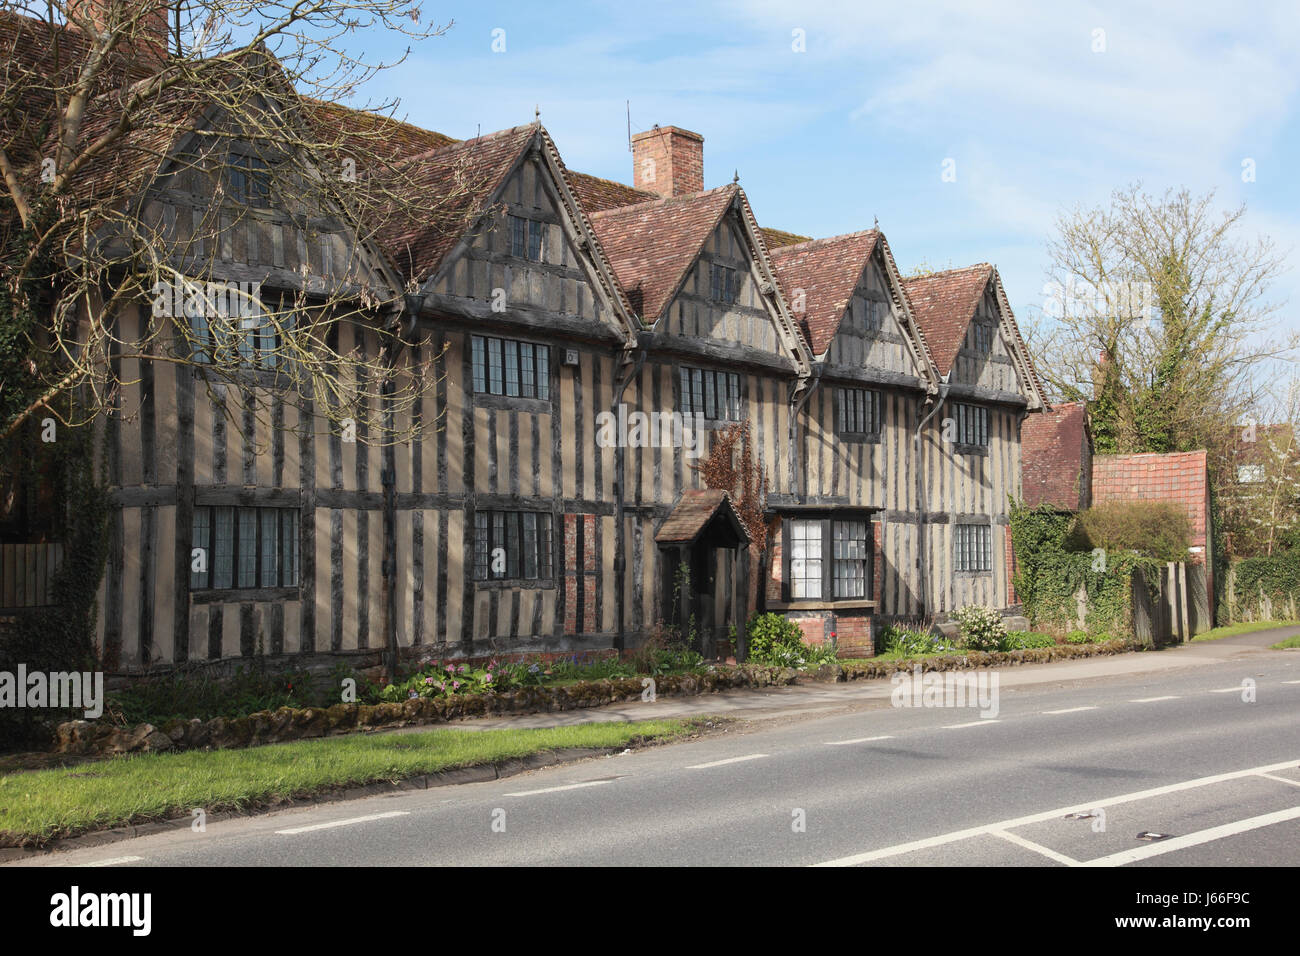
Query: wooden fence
{"type": "Point", "coordinates": [1175, 609]}
{"type": "Point", "coordinates": [26, 571]}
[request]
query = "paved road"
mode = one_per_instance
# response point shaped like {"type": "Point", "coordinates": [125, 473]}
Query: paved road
{"type": "Point", "coordinates": [1175, 751]}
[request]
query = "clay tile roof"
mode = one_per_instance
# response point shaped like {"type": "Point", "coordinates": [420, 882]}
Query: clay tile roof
{"type": "Point", "coordinates": [597, 195]}
{"type": "Point", "coordinates": [385, 137]}
{"type": "Point", "coordinates": [693, 513]}
{"type": "Point", "coordinates": [1178, 477]}
{"type": "Point", "coordinates": [944, 304]}
{"type": "Point", "coordinates": [827, 270]}
{"type": "Point", "coordinates": [1054, 450]}
{"type": "Point", "coordinates": [775, 238]}
{"type": "Point", "coordinates": [461, 177]}
{"type": "Point", "coordinates": [652, 244]}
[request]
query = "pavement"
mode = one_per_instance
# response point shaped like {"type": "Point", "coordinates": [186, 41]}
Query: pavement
{"type": "Point", "coordinates": [1183, 757]}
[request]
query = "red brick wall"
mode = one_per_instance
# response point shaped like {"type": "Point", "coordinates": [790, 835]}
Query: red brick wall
{"type": "Point", "coordinates": [584, 577]}
{"type": "Point", "coordinates": [668, 161]}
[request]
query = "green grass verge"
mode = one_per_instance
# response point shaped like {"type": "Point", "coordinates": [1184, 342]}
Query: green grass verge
{"type": "Point", "coordinates": [43, 804]}
{"type": "Point", "coordinates": [1245, 627]}
{"type": "Point", "coordinates": [1290, 642]}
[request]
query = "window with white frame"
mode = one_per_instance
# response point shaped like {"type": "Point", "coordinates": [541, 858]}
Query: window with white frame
{"type": "Point", "coordinates": [829, 558]}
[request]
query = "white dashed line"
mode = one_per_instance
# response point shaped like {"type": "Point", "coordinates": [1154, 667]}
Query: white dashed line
{"type": "Point", "coordinates": [1036, 847]}
{"type": "Point", "coordinates": [570, 786]}
{"type": "Point", "coordinates": [973, 723]}
{"type": "Point", "coordinates": [1151, 700]}
{"type": "Point", "coordinates": [856, 740]}
{"type": "Point", "coordinates": [719, 763]}
{"type": "Point", "coordinates": [1069, 710]}
{"type": "Point", "coordinates": [115, 861]}
{"type": "Point", "coordinates": [1227, 690]}
{"type": "Point", "coordinates": [1291, 682]}
{"type": "Point", "coordinates": [343, 823]}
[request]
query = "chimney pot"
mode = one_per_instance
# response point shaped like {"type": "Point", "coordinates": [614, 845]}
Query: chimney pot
{"type": "Point", "coordinates": [668, 161]}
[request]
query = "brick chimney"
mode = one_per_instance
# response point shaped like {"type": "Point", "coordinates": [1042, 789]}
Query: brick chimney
{"type": "Point", "coordinates": [668, 161]}
{"type": "Point", "coordinates": [151, 33]}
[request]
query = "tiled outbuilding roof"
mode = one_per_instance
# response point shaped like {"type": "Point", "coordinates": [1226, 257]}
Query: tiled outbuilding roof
{"type": "Point", "coordinates": [652, 245]}
{"type": "Point", "coordinates": [827, 272]}
{"type": "Point", "coordinates": [775, 238]}
{"type": "Point", "coordinates": [597, 195]}
{"type": "Point", "coordinates": [1178, 477]}
{"type": "Point", "coordinates": [1056, 456]}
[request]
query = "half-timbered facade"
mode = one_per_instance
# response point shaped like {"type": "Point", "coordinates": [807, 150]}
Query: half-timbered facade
{"type": "Point", "coordinates": [585, 341]}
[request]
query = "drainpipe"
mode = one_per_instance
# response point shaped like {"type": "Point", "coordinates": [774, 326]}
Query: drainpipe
{"type": "Point", "coordinates": [634, 356]}
{"type": "Point", "coordinates": [922, 541]}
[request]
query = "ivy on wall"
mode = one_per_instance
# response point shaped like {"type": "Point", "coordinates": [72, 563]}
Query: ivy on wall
{"type": "Point", "coordinates": [1264, 587]}
{"type": "Point", "coordinates": [1050, 575]}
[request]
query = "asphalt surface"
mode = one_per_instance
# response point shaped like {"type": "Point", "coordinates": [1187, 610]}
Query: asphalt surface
{"type": "Point", "coordinates": [1070, 771]}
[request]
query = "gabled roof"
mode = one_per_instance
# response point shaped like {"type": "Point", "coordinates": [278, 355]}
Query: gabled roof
{"type": "Point", "coordinates": [463, 177]}
{"type": "Point", "coordinates": [653, 245]}
{"type": "Point", "coordinates": [694, 512]}
{"type": "Point", "coordinates": [944, 304]}
{"type": "Point", "coordinates": [827, 270]}
{"type": "Point", "coordinates": [386, 138]}
{"type": "Point", "coordinates": [1056, 466]}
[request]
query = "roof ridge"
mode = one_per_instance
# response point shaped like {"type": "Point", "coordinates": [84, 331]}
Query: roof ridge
{"type": "Point", "coordinates": [640, 207]}
{"type": "Point", "coordinates": [825, 240]}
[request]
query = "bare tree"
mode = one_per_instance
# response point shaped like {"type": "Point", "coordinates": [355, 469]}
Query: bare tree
{"type": "Point", "coordinates": [1158, 314]}
{"type": "Point", "coordinates": [147, 146]}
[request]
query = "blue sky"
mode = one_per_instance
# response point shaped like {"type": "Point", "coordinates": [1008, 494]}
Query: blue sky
{"type": "Point", "coordinates": [859, 124]}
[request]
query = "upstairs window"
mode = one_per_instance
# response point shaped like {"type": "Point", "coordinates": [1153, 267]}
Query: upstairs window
{"type": "Point", "coordinates": [227, 326]}
{"type": "Point", "coordinates": [982, 333]}
{"type": "Point", "coordinates": [526, 238]}
{"type": "Point", "coordinates": [972, 424]}
{"type": "Point", "coordinates": [715, 395]}
{"type": "Point", "coordinates": [512, 545]}
{"type": "Point", "coordinates": [510, 367]}
{"type": "Point", "coordinates": [1250, 474]}
{"type": "Point", "coordinates": [972, 548]}
{"type": "Point", "coordinates": [248, 180]}
{"type": "Point", "coordinates": [245, 548]}
{"type": "Point", "coordinates": [858, 411]}
{"type": "Point", "coordinates": [724, 284]}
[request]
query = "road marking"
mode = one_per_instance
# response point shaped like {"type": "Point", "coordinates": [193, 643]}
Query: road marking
{"type": "Point", "coordinates": [113, 861]}
{"type": "Point", "coordinates": [1195, 839]}
{"type": "Point", "coordinates": [956, 835]}
{"type": "Point", "coordinates": [719, 763]}
{"type": "Point", "coordinates": [1291, 682]}
{"type": "Point", "coordinates": [1227, 690]}
{"type": "Point", "coordinates": [856, 740]}
{"type": "Point", "coordinates": [343, 823]}
{"type": "Point", "coordinates": [1294, 783]}
{"type": "Point", "coordinates": [1036, 847]}
{"type": "Point", "coordinates": [1152, 700]}
{"type": "Point", "coordinates": [569, 786]}
{"type": "Point", "coordinates": [973, 723]}
{"type": "Point", "coordinates": [1069, 710]}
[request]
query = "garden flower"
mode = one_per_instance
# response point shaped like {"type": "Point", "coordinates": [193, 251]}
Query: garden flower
{"type": "Point", "coordinates": [451, 668]}
{"type": "Point", "coordinates": [428, 680]}
{"type": "Point", "coordinates": [488, 679]}
{"type": "Point", "coordinates": [462, 668]}
{"type": "Point", "coordinates": [455, 685]}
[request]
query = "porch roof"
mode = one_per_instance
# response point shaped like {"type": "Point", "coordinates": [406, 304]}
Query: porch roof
{"type": "Point", "coordinates": [696, 510]}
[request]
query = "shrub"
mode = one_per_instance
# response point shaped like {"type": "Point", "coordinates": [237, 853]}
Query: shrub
{"type": "Point", "coordinates": [777, 641]}
{"type": "Point", "coordinates": [1156, 529]}
{"type": "Point", "coordinates": [982, 628]}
